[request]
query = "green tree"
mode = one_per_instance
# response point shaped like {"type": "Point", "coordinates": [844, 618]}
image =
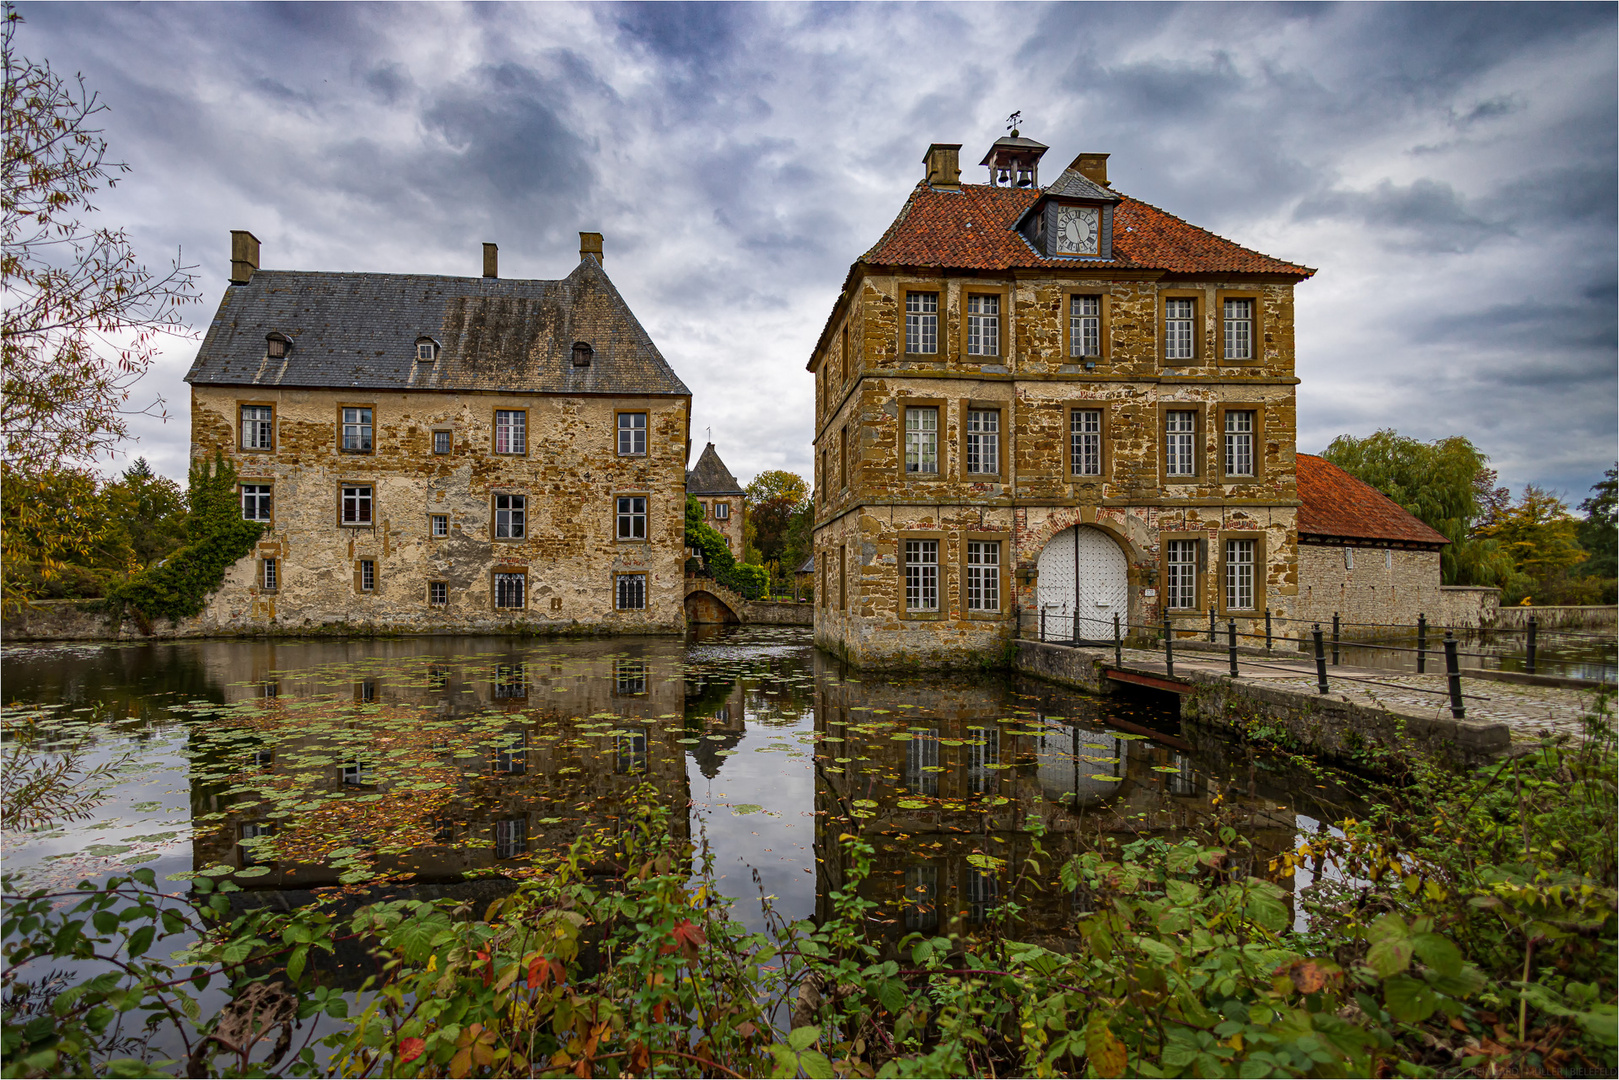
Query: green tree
{"type": "Point", "coordinates": [153, 509]}
{"type": "Point", "coordinates": [83, 317]}
{"type": "Point", "coordinates": [1599, 532]}
{"type": "Point", "coordinates": [1442, 483]}
{"type": "Point", "coordinates": [64, 538]}
{"type": "Point", "coordinates": [774, 498]}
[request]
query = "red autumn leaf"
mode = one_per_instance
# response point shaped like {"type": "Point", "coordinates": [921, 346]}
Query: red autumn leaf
{"type": "Point", "coordinates": [689, 937]}
{"type": "Point", "coordinates": [411, 1049]}
{"type": "Point", "coordinates": [538, 969]}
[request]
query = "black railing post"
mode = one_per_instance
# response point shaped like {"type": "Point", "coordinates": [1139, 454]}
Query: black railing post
{"type": "Point", "coordinates": [1231, 644]}
{"type": "Point", "coordinates": [1334, 639]}
{"type": "Point", "coordinates": [1118, 643]}
{"type": "Point", "coordinates": [1267, 630]}
{"type": "Point", "coordinates": [1529, 654]}
{"type": "Point", "coordinates": [1211, 624]}
{"type": "Point", "coordinates": [1453, 675]}
{"type": "Point", "coordinates": [1422, 643]}
{"type": "Point", "coordinates": [1320, 661]}
{"type": "Point", "coordinates": [1076, 623]}
{"type": "Point", "coordinates": [1042, 624]}
{"type": "Point", "coordinates": [1169, 647]}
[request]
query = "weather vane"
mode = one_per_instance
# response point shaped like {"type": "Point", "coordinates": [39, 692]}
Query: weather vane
{"type": "Point", "coordinates": [1012, 122]}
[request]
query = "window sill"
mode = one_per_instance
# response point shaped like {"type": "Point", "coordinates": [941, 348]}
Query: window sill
{"type": "Point", "coordinates": [983, 616]}
{"type": "Point", "coordinates": [640, 454]}
{"type": "Point", "coordinates": [923, 616]}
{"type": "Point", "coordinates": [356, 453]}
{"type": "Point", "coordinates": [356, 524]}
{"type": "Point", "coordinates": [257, 449]}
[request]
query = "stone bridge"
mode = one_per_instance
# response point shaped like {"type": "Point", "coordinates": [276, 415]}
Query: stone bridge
{"type": "Point", "coordinates": [709, 602]}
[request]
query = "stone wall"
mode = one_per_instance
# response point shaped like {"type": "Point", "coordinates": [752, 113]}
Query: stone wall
{"type": "Point", "coordinates": [1385, 586]}
{"type": "Point", "coordinates": [1558, 617]}
{"type": "Point", "coordinates": [867, 504]}
{"type": "Point", "coordinates": [570, 475]}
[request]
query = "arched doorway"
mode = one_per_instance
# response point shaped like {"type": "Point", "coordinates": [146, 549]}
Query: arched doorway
{"type": "Point", "coordinates": [1082, 570]}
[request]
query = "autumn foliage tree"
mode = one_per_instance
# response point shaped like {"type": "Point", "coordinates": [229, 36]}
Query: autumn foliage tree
{"type": "Point", "coordinates": [775, 499]}
{"type": "Point", "coordinates": [84, 318]}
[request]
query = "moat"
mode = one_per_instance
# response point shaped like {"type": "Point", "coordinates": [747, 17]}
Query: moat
{"type": "Point", "coordinates": [289, 766]}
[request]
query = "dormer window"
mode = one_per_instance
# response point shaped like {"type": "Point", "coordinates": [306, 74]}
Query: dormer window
{"type": "Point", "coordinates": [277, 346]}
{"type": "Point", "coordinates": [426, 350]}
{"type": "Point", "coordinates": [582, 354]}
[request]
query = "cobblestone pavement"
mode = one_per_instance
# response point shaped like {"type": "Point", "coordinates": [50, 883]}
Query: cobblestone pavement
{"type": "Point", "coordinates": [1528, 710]}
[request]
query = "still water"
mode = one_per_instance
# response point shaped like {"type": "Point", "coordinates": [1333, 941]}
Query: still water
{"type": "Point", "coordinates": [292, 766]}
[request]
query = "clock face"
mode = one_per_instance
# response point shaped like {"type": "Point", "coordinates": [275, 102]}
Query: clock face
{"type": "Point", "coordinates": [1079, 229]}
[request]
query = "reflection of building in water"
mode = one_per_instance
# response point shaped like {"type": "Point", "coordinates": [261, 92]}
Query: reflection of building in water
{"type": "Point", "coordinates": [490, 758]}
{"type": "Point", "coordinates": [945, 806]}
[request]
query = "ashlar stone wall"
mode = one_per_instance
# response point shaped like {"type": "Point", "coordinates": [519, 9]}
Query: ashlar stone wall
{"type": "Point", "coordinates": [1390, 586]}
{"type": "Point", "coordinates": [569, 473]}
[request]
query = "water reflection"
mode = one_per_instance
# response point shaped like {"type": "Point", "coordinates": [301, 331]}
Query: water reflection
{"type": "Point", "coordinates": [311, 765]}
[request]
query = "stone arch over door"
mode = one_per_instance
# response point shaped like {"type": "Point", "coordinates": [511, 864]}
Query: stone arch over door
{"type": "Point", "coordinates": [1083, 570]}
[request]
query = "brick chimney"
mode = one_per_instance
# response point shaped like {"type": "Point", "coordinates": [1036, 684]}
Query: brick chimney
{"type": "Point", "coordinates": [943, 161]}
{"type": "Point", "coordinates": [1092, 167]}
{"type": "Point", "coordinates": [491, 261]}
{"type": "Point", "coordinates": [590, 243]}
{"type": "Point", "coordinates": [244, 256]}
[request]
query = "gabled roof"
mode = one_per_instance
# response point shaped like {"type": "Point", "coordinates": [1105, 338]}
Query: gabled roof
{"type": "Point", "coordinates": [1335, 506]}
{"type": "Point", "coordinates": [710, 476]}
{"type": "Point", "coordinates": [972, 229]}
{"type": "Point", "coordinates": [360, 330]}
{"type": "Point", "coordinates": [1074, 184]}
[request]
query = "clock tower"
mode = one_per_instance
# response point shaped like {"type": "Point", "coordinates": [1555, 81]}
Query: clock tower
{"type": "Point", "coordinates": [1073, 218]}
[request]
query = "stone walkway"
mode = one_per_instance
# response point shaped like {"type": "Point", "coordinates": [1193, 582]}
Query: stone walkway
{"type": "Point", "coordinates": [1530, 711]}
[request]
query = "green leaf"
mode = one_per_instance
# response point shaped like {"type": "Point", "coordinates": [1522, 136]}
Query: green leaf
{"type": "Point", "coordinates": [1157, 951]}
{"type": "Point", "coordinates": [1389, 956]}
{"type": "Point", "coordinates": [141, 940]}
{"type": "Point", "coordinates": [803, 1038]}
{"type": "Point", "coordinates": [1409, 1000]}
{"type": "Point", "coordinates": [1438, 953]}
{"type": "Point", "coordinates": [815, 1066]}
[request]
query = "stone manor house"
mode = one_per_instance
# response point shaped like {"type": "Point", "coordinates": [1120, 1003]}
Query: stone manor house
{"type": "Point", "coordinates": [444, 453]}
{"type": "Point", "coordinates": [1058, 402]}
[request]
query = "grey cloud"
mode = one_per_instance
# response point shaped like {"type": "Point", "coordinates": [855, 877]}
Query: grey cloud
{"type": "Point", "coordinates": [391, 82]}
{"type": "Point", "coordinates": [1424, 215]}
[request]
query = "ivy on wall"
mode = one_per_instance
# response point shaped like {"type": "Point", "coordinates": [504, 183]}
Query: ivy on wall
{"type": "Point", "coordinates": [718, 562]}
{"type": "Point", "coordinates": [216, 537]}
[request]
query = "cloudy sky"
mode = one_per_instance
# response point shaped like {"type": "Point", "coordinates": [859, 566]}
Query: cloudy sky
{"type": "Point", "coordinates": [1451, 169]}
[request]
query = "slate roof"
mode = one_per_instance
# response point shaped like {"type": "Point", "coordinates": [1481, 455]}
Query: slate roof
{"type": "Point", "coordinates": [1336, 506]}
{"type": "Point", "coordinates": [972, 229]}
{"type": "Point", "coordinates": [710, 476]}
{"type": "Point", "coordinates": [503, 334]}
{"type": "Point", "coordinates": [1075, 184]}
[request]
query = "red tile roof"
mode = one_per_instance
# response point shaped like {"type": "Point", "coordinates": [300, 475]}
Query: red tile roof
{"type": "Point", "coordinates": [1335, 504]}
{"type": "Point", "coordinates": [972, 230]}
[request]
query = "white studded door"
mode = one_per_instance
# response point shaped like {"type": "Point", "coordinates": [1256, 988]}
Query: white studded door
{"type": "Point", "coordinates": [1082, 571]}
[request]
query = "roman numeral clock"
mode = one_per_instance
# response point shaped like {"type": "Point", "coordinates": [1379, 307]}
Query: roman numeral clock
{"type": "Point", "coordinates": [1079, 229]}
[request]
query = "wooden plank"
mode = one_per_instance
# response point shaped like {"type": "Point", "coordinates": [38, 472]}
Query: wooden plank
{"type": "Point", "coordinates": [1157, 682]}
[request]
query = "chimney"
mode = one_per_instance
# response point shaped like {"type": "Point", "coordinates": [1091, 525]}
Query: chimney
{"type": "Point", "coordinates": [244, 256]}
{"type": "Point", "coordinates": [1092, 167]}
{"type": "Point", "coordinates": [943, 163]}
{"type": "Point", "coordinates": [590, 243]}
{"type": "Point", "coordinates": [491, 261]}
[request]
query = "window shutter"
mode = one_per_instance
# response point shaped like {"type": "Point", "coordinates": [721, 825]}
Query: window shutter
{"type": "Point", "coordinates": [357, 577]}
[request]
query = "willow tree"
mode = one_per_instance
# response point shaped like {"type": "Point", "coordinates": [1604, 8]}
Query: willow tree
{"type": "Point", "coordinates": [84, 318]}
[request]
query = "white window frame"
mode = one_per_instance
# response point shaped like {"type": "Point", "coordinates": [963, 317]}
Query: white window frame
{"type": "Point", "coordinates": [443, 442]}
{"type": "Point", "coordinates": [983, 324]}
{"type": "Point", "coordinates": [358, 504]}
{"type": "Point", "coordinates": [1180, 323]}
{"type": "Point", "coordinates": [630, 512]}
{"type": "Point", "coordinates": [1085, 442]}
{"type": "Point", "coordinates": [984, 441]}
{"type": "Point", "coordinates": [438, 593]}
{"type": "Point", "coordinates": [921, 323]}
{"type": "Point", "coordinates": [511, 516]}
{"type": "Point", "coordinates": [629, 592]}
{"type": "Point", "coordinates": [1239, 328]}
{"type": "Point", "coordinates": [922, 576]}
{"type": "Point", "coordinates": [511, 432]}
{"type": "Point", "coordinates": [269, 574]}
{"type": "Point", "coordinates": [368, 575]}
{"type": "Point", "coordinates": [984, 575]}
{"type": "Point", "coordinates": [632, 436]}
{"type": "Point", "coordinates": [358, 429]}
{"type": "Point", "coordinates": [1180, 575]}
{"type": "Point", "coordinates": [1085, 326]}
{"type": "Point", "coordinates": [922, 440]}
{"type": "Point", "coordinates": [438, 525]}
{"type": "Point", "coordinates": [1180, 442]}
{"type": "Point", "coordinates": [1239, 574]}
{"type": "Point", "coordinates": [1239, 442]}
{"type": "Point", "coordinates": [258, 427]}
{"type": "Point", "coordinates": [510, 591]}
{"type": "Point", "coordinates": [722, 510]}
{"type": "Point", "coordinates": [260, 498]}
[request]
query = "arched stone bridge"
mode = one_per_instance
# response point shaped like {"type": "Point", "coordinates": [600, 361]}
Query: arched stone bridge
{"type": "Point", "coordinates": [708, 602]}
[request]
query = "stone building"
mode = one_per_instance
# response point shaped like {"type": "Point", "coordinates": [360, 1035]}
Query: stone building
{"type": "Point", "coordinates": [1363, 557]}
{"type": "Point", "coordinates": [724, 501]}
{"type": "Point", "coordinates": [437, 453]}
{"type": "Point", "coordinates": [1054, 400]}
